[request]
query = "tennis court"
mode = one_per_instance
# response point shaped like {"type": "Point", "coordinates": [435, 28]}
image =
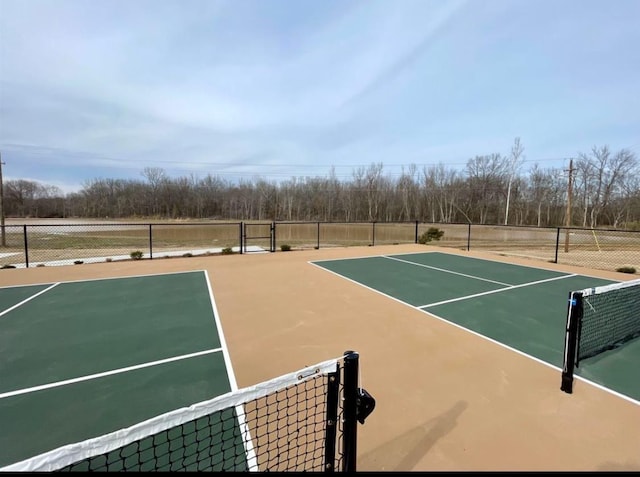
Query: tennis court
{"type": "Point", "coordinates": [513, 305]}
{"type": "Point", "coordinates": [462, 352]}
{"type": "Point", "coordinates": [85, 358]}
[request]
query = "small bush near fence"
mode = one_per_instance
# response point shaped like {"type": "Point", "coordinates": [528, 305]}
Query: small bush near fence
{"type": "Point", "coordinates": [433, 233]}
{"type": "Point", "coordinates": [136, 255]}
{"type": "Point", "coordinates": [626, 270]}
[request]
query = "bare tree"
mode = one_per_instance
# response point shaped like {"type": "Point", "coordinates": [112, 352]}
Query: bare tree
{"type": "Point", "coordinates": [373, 188]}
{"type": "Point", "coordinates": [485, 182]}
{"type": "Point", "coordinates": [606, 186]}
{"type": "Point", "coordinates": [406, 189]}
{"type": "Point", "coordinates": [600, 177]}
{"type": "Point", "coordinates": [156, 176]}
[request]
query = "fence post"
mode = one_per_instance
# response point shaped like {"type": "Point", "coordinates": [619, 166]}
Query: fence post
{"type": "Point", "coordinates": [557, 244]}
{"type": "Point", "coordinates": [469, 237]}
{"type": "Point", "coordinates": [241, 235]}
{"type": "Point", "coordinates": [150, 243]}
{"type": "Point", "coordinates": [26, 247]}
{"type": "Point", "coordinates": [373, 233]}
{"type": "Point", "coordinates": [416, 237]}
{"type": "Point", "coordinates": [318, 235]}
{"type": "Point", "coordinates": [273, 236]}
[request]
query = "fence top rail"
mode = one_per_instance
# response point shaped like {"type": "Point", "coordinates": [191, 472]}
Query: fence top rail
{"type": "Point", "coordinates": [315, 222]}
{"type": "Point", "coordinates": [128, 224]}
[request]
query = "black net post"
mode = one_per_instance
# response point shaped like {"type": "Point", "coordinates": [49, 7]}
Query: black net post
{"type": "Point", "coordinates": [416, 233]}
{"type": "Point", "coordinates": [572, 332]}
{"type": "Point", "coordinates": [333, 394]}
{"type": "Point", "coordinates": [350, 409]}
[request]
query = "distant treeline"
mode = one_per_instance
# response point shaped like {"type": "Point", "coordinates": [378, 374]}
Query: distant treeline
{"type": "Point", "coordinates": [491, 189]}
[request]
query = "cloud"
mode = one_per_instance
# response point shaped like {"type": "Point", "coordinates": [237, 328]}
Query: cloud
{"type": "Point", "coordinates": [246, 87]}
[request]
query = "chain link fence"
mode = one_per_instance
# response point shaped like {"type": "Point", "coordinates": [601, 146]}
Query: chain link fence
{"type": "Point", "coordinates": [68, 244]}
{"type": "Point", "coordinates": [50, 245]}
{"type": "Point", "coordinates": [602, 249]}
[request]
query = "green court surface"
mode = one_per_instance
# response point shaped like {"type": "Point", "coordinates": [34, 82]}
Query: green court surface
{"type": "Point", "coordinates": [522, 308]}
{"type": "Point", "coordinates": [82, 359]}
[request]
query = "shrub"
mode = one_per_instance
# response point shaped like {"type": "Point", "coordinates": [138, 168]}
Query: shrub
{"type": "Point", "coordinates": [432, 233]}
{"type": "Point", "coordinates": [285, 247]}
{"type": "Point", "coordinates": [136, 255]}
{"type": "Point", "coordinates": [109, 259]}
{"type": "Point", "coordinates": [626, 269]}
{"type": "Point", "coordinates": [40, 265]}
{"type": "Point", "coordinates": [78, 262]}
{"type": "Point", "coordinates": [227, 251]}
{"type": "Point", "coordinates": [188, 254]}
{"type": "Point", "coordinates": [8, 266]}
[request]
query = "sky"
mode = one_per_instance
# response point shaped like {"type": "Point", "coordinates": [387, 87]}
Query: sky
{"type": "Point", "coordinates": [276, 89]}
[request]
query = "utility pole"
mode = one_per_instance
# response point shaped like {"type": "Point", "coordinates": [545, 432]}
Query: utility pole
{"type": "Point", "coordinates": [568, 218]}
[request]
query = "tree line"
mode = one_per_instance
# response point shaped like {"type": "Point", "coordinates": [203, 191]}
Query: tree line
{"type": "Point", "coordinates": [491, 189]}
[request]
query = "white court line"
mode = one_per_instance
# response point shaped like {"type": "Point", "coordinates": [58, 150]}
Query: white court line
{"type": "Point", "coordinates": [447, 271]}
{"type": "Point", "coordinates": [83, 280]}
{"type": "Point", "coordinates": [223, 342]}
{"type": "Point", "coordinates": [497, 291]}
{"type": "Point", "coordinates": [106, 373]}
{"type": "Point", "coordinates": [247, 441]}
{"type": "Point", "coordinates": [29, 299]}
{"type": "Point", "coordinates": [521, 353]}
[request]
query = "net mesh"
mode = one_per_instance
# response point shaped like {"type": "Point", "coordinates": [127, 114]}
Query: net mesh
{"type": "Point", "coordinates": [278, 425]}
{"type": "Point", "coordinates": [610, 317]}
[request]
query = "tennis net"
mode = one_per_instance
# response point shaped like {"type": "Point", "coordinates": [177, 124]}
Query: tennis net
{"type": "Point", "coordinates": [599, 319]}
{"type": "Point", "coordinates": [302, 421]}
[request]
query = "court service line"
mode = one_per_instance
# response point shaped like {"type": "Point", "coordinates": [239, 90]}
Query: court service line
{"type": "Point", "coordinates": [29, 299]}
{"type": "Point", "coordinates": [497, 291]}
{"type": "Point", "coordinates": [448, 271]}
{"type": "Point", "coordinates": [106, 373]}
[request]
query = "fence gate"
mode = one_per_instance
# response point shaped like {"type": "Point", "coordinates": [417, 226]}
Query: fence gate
{"type": "Point", "coordinates": [262, 235]}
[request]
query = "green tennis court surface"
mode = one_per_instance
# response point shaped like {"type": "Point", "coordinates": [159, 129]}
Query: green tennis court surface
{"type": "Point", "coordinates": [82, 359]}
{"type": "Point", "coordinates": [523, 308]}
